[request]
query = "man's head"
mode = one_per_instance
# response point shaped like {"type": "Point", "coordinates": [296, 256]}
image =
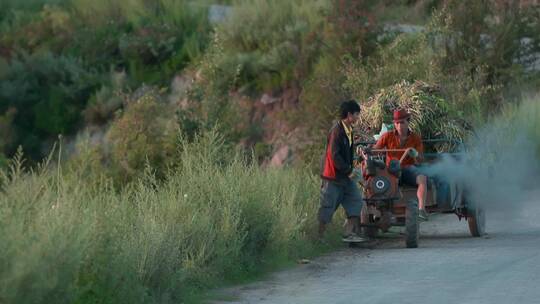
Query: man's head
{"type": "Point", "coordinates": [401, 121]}
{"type": "Point", "coordinates": [349, 111]}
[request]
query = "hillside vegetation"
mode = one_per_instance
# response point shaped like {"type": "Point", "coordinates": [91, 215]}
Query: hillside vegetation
{"type": "Point", "coordinates": [139, 141]}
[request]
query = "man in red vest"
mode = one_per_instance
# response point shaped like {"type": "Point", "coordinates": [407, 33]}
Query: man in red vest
{"type": "Point", "coordinates": [403, 138]}
{"type": "Point", "coordinates": [337, 187]}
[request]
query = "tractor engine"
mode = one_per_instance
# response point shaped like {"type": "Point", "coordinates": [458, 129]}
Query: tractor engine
{"type": "Point", "coordinates": [381, 183]}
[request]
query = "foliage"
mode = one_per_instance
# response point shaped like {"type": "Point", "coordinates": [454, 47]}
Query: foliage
{"type": "Point", "coordinates": [485, 48]}
{"type": "Point", "coordinates": [143, 135]}
{"type": "Point", "coordinates": [103, 103]}
{"type": "Point", "coordinates": [48, 93]}
{"type": "Point", "coordinates": [432, 116]}
{"type": "Point", "coordinates": [167, 205]}
{"type": "Point", "coordinates": [56, 57]}
{"type": "Point", "coordinates": [521, 123]}
{"type": "Point", "coordinates": [73, 237]}
{"type": "Point", "coordinates": [261, 51]}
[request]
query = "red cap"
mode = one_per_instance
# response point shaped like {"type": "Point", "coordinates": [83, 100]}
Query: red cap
{"type": "Point", "coordinates": [401, 114]}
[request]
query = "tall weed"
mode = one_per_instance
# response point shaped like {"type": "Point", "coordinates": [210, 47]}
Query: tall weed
{"type": "Point", "coordinates": [72, 237]}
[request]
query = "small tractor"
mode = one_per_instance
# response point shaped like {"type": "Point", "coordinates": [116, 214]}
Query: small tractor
{"type": "Point", "coordinates": [388, 203]}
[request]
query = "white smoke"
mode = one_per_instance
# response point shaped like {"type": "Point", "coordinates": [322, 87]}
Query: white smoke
{"type": "Point", "coordinates": [500, 164]}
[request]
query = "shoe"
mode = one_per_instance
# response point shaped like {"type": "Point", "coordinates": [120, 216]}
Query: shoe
{"type": "Point", "coordinates": [353, 238]}
{"type": "Point", "coordinates": [423, 215]}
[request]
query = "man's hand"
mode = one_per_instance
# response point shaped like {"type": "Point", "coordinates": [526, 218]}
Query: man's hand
{"type": "Point", "coordinates": [412, 152]}
{"type": "Point", "coordinates": [368, 149]}
{"type": "Point", "coordinates": [409, 152]}
{"type": "Point", "coordinates": [363, 151]}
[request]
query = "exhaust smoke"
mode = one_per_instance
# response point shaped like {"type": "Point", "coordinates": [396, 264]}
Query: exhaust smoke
{"type": "Point", "coordinates": [500, 164]}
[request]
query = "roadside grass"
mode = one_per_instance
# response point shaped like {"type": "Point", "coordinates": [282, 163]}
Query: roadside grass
{"type": "Point", "coordinates": [516, 127]}
{"type": "Point", "coordinates": [70, 236]}
{"type": "Point", "coordinates": [527, 114]}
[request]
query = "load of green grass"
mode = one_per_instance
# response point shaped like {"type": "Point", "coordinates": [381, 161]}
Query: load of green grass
{"type": "Point", "coordinates": [431, 115]}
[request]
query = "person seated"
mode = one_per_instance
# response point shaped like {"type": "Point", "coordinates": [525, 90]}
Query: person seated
{"type": "Point", "coordinates": [411, 156]}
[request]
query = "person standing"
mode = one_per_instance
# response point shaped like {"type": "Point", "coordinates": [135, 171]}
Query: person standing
{"type": "Point", "coordinates": [338, 187]}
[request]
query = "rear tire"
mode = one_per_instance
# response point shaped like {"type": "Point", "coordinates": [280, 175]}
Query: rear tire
{"type": "Point", "coordinates": [477, 221]}
{"type": "Point", "coordinates": [411, 224]}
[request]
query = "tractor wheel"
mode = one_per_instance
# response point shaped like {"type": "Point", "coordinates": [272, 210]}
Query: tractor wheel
{"type": "Point", "coordinates": [369, 232]}
{"type": "Point", "coordinates": [412, 233]}
{"type": "Point", "coordinates": [477, 221]}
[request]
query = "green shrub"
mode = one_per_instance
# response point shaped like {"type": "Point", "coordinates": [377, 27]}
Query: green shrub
{"type": "Point", "coordinates": [150, 40]}
{"type": "Point", "coordinates": [517, 122]}
{"type": "Point", "coordinates": [72, 237]}
{"type": "Point", "coordinates": [102, 105]}
{"type": "Point", "coordinates": [56, 55]}
{"type": "Point", "coordinates": [13, 9]}
{"type": "Point", "coordinates": [481, 49]}
{"type": "Point", "coordinates": [257, 51]}
{"type": "Point", "coordinates": [408, 57]}
{"type": "Point", "coordinates": [48, 93]}
{"type": "Point", "coordinates": [143, 134]}
{"type": "Point", "coordinates": [7, 135]}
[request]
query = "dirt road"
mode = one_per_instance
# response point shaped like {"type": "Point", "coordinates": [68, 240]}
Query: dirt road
{"type": "Point", "coordinates": [449, 267]}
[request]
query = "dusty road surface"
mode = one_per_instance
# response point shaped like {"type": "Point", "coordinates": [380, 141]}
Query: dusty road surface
{"type": "Point", "coordinates": [449, 267]}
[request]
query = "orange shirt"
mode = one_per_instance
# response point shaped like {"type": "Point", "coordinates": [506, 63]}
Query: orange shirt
{"type": "Point", "coordinates": [390, 140]}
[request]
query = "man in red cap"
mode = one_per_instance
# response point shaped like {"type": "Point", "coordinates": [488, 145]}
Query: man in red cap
{"type": "Point", "coordinates": [403, 138]}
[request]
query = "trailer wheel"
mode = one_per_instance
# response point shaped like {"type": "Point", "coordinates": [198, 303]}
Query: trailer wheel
{"type": "Point", "coordinates": [477, 221]}
{"type": "Point", "coordinates": [411, 224]}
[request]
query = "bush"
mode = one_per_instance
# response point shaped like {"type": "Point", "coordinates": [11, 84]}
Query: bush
{"type": "Point", "coordinates": [48, 93]}
{"type": "Point", "coordinates": [103, 104]}
{"type": "Point", "coordinates": [483, 51]}
{"type": "Point", "coordinates": [58, 54]}
{"type": "Point", "coordinates": [150, 40]}
{"type": "Point", "coordinates": [143, 135]}
{"type": "Point", "coordinates": [7, 135]}
{"type": "Point", "coordinates": [213, 219]}
{"type": "Point", "coordinates": [518, 122]}
{"type": "Point", "coordinates": [408, 57]}
{"type": "Point", "coordinates": [255, 51]}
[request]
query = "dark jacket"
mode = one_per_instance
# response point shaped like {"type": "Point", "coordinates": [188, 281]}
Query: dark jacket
{"type": "Point", "coordinates": [337, 162]}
